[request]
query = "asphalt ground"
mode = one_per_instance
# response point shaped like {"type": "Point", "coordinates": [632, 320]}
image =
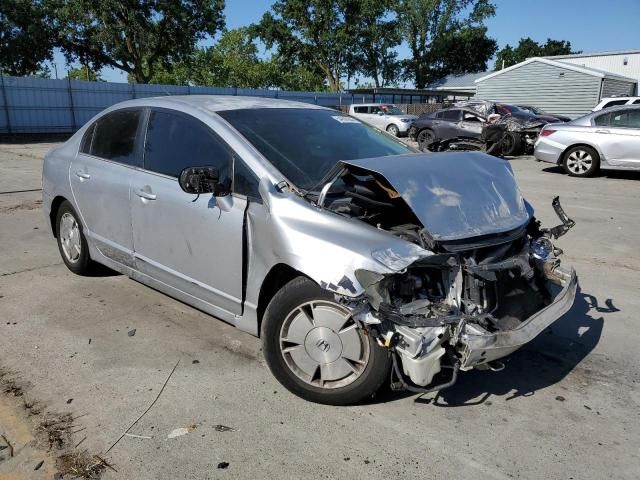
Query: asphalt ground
{"type": "Point", "coordinates": [566, 406]}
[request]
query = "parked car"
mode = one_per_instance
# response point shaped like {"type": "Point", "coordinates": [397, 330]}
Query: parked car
{"type": "Point", "coordinates": [348, 254]}
{"type": "Point", "coordinates": [446, 124]}
{"type": "Point", "coordinates": [507, 109]}
{"type": "Point", "coordinates": [542, 113]}
{"type": "Point", "coordinates": [616, 102]}
{"type": "Point", "coordinates": [383, 116]}
{"type": "Point", "coordinates": [607, 139]}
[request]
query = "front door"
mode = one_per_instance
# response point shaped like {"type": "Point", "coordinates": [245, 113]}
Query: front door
{"type": "Point", "coordinates": [183, 240]}
{"type": "Point", "coordinates": [99, 177]}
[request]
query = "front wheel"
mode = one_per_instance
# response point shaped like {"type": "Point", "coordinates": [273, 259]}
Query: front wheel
{"type": "Point", "coordinates": [425, 138]}
{"type": "Point", "coordinates": [581, 161]}
{"type": "Point", "coordinates": [315, 349]}
{"type": "Point", "coordinates": [393, 130]}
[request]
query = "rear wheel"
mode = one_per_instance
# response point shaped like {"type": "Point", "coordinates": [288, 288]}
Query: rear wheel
{"type": "Point", "coordinates": [71, 240]}
{"type": "Point", "coordinates": [315, 349]}
{"type": "Point", "coordinates": [425, 138]}
{"type": "Point", "coordinates": [393, 130]}
{"type": "Point", "coordinates": [581, 161]}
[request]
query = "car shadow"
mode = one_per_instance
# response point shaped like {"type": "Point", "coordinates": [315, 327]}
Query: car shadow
{"type": "Point", "coordinates": [99, 270]}
{"type": "Point", "coordinates": [614, 174]}
{"type": "Point", "coordinates": [543, 362]}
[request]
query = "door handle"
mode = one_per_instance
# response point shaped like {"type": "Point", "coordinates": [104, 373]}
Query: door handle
{"type": "Point", "coordinates": [146, 195]}
{"type": "Point", "coordinates": [603, 131]}
{"type": "Point", "coordinates": [82, 175]}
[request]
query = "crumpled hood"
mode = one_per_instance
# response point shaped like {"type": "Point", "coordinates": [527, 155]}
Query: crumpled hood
{"type": "Point", "coordinates": [455, 195]}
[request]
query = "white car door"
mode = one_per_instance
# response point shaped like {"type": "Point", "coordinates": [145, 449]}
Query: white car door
{"type": "Point", "coordinates": [619, 140]}
{"type": "Point", "coordinates": [377, 117]}
{"type": "Point", "coordinates": [192, 243]}
{"type": "Point", "coordinates": [99, 177]}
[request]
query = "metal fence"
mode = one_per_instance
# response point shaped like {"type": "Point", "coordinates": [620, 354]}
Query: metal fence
{"type": "Point", "coordinates": [41, 105]}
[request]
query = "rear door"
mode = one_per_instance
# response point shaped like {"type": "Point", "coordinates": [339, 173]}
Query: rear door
{"type": "Point", "coordinates": [192, 243]}
{"type": "Point", "coordinates": [99, 177]}
{"type": "Point", "coordinates": [449, 126]}
{"type": "Point", "coordinates": [619, 139]}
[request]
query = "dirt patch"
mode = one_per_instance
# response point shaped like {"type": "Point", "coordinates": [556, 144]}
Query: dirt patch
{"type": "Point", "coordinates": [28, 205]}
{"type": "Point", "coordinates": [35, 439]}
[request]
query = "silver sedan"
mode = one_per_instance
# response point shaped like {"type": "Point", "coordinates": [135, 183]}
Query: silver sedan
{"type": "Point", "coordinates": [607, 139]}
{"type": "Point", "coordinates": [355, 259]}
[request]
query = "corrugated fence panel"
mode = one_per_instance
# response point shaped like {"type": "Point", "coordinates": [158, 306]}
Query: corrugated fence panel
{"type": "Point", "coordinates": [612, 87]}
{"type": "Point", "coordinates": [39, 105]}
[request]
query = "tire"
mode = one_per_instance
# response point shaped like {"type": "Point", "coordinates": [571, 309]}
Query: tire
{"type": "Point", "coordinates": [308, 358]}
{"type": "Point", "coordinates": [72, 243]}
{"type": "Point", "coordinates": [581, 161]}
{"type": "Point", "coordinates": [393, 130]}
{"type": "Point", "coordinates": [511, 144]}
{"type": "Point", "coordinates": [425, 138]}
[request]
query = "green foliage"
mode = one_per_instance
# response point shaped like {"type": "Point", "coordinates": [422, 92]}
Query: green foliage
{"type": "Point", "coordinates": [314, 34]}
{"type": "Point", "coordinates": [25, 37]}
{"type": "Point", "coordinates": [433, 27]}
{"type": "Point", "coordinates": [135, 37]}
{"type": "Point", "coordinates": [84, 73]}
{"type": "Point", "coordinates": [378, 34]}
{"type": "Point", "coordinates": [528, 48]}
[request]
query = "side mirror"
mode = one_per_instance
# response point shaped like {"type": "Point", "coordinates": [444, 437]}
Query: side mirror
{"type": "Point", "coordinates": [381, 113]}
{"type": "Point", "coordinates": [203, 180]}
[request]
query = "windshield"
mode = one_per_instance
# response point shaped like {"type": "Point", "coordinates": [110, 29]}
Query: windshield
{"type": "Point", "coordinates": [512, 108]}
{"type": "Point", "coordinates": [536, 110]}
{"type": "Point", "coordinates": [391, 110]}
{"type": "Point", "coordinates": [304, 143]}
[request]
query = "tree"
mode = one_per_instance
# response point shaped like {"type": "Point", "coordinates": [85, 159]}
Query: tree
{"type": "Point", "coordinates": [26, 37]}
{"type": "Point", "coordinates": [313, 34]}
{"type": "Point", "coordinates": [378, 35]}
{"type": "Point", "coordinates": [462, 51]}
{"type": "Point", "coordinates": [424, 23]}
{"type": "Point", "coordinates": [528, 48]}
{"type": "Point", "coordinates": [84, 73]}
{"type": "Point", "coordinates": [134, 36]}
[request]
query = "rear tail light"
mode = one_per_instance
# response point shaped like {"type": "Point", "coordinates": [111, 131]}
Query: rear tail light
{"type": "Point", "coordinates": [546, 133]}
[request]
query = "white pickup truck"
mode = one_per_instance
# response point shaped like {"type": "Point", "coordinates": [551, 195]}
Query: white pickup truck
{"type": "Point", "coordinates": [383, 116]}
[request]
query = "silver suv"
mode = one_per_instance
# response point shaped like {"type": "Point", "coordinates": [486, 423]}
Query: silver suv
{"type": "Point", "coordinates": [383, 116]}
{"type": "Point", "coordinates": [348, 253]}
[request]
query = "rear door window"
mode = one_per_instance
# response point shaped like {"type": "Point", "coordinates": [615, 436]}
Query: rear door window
{"type": "Point", "coordinates": [451, 115]}
{"type": "Point", "coordinates": [176, 141]}
{"type": "Point", "coordinates": [626, 119]}
{"type": "Point", "coordinates": [360, 109]}
{"type": "Point", "coordinates": [115, 137]}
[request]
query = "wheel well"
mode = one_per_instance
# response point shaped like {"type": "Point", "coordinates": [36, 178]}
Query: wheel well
{"type": "Point", "coordinates": [55, 205]}
{"type": "Point", "coordinates": [278, 277]}
{"type": "Point", "coordinates": [564, 153]}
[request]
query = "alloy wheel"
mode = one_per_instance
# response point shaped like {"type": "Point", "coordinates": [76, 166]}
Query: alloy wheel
{"type": "Point", "coordinates": [70, 237]}
{"type": "Point", "coordinates": [323, 346]}
{"type": "Point", "coordinates": [579, 162]}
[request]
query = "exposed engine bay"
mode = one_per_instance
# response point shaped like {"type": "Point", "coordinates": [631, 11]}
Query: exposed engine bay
{"type": "Point", "coordinates": [475, 299]}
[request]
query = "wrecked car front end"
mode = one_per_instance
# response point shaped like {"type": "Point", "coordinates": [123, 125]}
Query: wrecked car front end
{"type": "Point", "coordinates": [489, 279]}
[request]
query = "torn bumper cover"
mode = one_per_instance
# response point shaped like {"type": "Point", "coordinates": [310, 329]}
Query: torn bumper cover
{"type": "Point", "coordinates": [480, 346]}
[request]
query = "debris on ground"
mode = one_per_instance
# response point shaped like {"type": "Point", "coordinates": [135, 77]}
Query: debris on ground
{"type": "Point", "coordinates": [57, 429]}
{"type": "Point", "coordinates": [223, 465]}
{"type": "Point", "coordinates": [223, 428]}
{"type": "Point", "coordinates": [40, 463]}
{"type": "Point", "coordinates": [131, 333]}
{"type": "Point", "coordinates": [81, 465]}
{"type": "Point", "coordinates": [560, 398]}
{"type": "Point", "coordinates": [8, 445]}
{"type": "Point", "coordinates": [195, 362]}
{"type": "Point", "coordinates": [179, 432]}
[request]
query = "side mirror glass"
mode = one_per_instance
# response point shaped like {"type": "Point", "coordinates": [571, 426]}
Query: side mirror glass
{"type": "Point", "coordinates": [203, 180]}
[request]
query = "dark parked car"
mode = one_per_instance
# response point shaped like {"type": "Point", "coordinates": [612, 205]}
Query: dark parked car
{"type": "Point", "coordinates": [445, 124]}
{"type": "Point", "coordinates": [542, 113]}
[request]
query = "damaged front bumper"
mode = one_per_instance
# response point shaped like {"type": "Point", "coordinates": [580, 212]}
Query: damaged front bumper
{"type": "Point", "coordinates": [479, 346]}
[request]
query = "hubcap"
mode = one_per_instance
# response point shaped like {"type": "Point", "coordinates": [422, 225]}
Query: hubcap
{"type": "Point", "coordinates": [70, 237]}
{"type": "Point", "coordinates": [323, 346]}
{"type": "Point", "coordinates": [579, 161]}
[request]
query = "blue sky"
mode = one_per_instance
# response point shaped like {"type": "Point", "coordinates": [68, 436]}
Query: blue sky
{"type": "Point", "coordinates": [590, 25]}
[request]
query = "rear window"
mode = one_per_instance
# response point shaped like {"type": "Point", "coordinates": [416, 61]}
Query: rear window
{"type": "Point", "coordinates": [613, 103]}
{"type": "Point", "coordinates": [115, 137]}
{"type": "Point", "coordinates": [304, 144]}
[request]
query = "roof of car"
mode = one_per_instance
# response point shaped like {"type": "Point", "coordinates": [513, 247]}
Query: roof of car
{"type": "Point", "coordinates": [217, 103]}
{"type": "Point", "coordinates": [615, 108]}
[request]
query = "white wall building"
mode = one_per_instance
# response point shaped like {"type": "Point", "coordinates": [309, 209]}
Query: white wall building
{"type": "Point", "coordinates": [625, 63]}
